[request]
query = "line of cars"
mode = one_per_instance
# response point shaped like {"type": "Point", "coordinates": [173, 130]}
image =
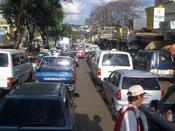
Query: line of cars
{"type": "Point", "coordinates": [114, 72]}
{"type": "Point", "coordinates": [44, 104]}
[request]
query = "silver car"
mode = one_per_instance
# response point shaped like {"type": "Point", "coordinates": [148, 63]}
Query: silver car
{"type": "Point", "coordinates": [115, 87]}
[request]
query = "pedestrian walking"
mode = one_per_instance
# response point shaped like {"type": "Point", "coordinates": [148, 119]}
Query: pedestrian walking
{"type": "Point", "coordinates": [128, 117]}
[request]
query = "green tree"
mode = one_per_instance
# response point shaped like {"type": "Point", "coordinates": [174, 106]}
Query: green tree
{"type": "Point", "coordinates": [48, 18]}
{"type": "Point", "coordinates": [32, 15]}
{"type": "Point", "coordinates": [14, 13]}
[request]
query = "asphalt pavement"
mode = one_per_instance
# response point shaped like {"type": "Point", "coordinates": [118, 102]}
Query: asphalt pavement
{"type": "Point", "coordinates": [91, 111]}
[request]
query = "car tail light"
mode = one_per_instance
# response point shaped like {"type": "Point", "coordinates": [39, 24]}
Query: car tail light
{"type": "Point", "coordinates": [37, 60]}
{"type": "Point", "coordinates": [73, 76]}
{"type": "Point", "coordinates": [99, 72]}
{"type": "Point", "coordinates": [162, 93]}
{"type": "Point", "coordinates": [33, 76]}
{"type": "Point", "coordinates": [118, 94]}
{"type": "Point", "coordinates": [10, 82]}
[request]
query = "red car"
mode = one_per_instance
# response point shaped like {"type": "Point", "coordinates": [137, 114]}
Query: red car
{"type": "Point", "coordinates": [81, 53]}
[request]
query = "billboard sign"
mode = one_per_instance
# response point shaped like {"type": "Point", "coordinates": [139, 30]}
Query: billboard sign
{"type": "Point", "coordinates": [4, 28]}
{"type": "Point", "coordinates": [172, 24]}
{"type": "Point", "coordinates": [159, 16]}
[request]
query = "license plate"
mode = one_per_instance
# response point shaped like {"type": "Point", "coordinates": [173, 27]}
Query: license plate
{"type": "Point", "coordinates": [56, 79]}
{"type": "Point", "coordinates": [164, 72]}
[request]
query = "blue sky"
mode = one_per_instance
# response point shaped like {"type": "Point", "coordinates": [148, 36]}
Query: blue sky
{"type": "Point", "coordinates": [79, 10]}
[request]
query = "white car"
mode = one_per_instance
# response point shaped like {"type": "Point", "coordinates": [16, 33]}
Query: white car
{"type": "Point", "coordinates": [14, 69]}
{"type": "Point", "coordinates": [115, 87]}
{"type": "Point", "coordinates": [107, 61]}
{"type": "Point", "coordinates": [91, 48]}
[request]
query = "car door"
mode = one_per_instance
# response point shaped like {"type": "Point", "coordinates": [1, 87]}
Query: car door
{"type": "Point", "coordinates": [95, 67]}
{"type": "Point", "coordinates": [71, 110]}
{"type": "Point", "coordinates": [109, 83]}
{"type": "Point", "coordinates": [115, 87]}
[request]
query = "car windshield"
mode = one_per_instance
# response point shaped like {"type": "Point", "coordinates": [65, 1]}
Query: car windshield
{"type": "Point", "coordinates": [3, 60]}
{"type": "Point", "coordinates": [59, 63]}
{"type": "Point", "coordinates": [146, 83]}
{"type": "Point", "coordinates": [16, 112]}
{"type": "Point", "coordinates": [41, 54]}
{"type": "Point", "coordinates": [93, 48]}
{"type": "Point", "coordinates": [68, 54]}
{"type": "Point", "coordinates": [115, 60]}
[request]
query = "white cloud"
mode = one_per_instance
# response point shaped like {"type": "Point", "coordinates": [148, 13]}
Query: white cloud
{"type": "Point", "coordinates": [98, 2]}
{"type": "Point", "coordinates": [79, 10]}
{"type": "Point", "coordinates": [71, 17]}
{"type": "Point", "coordinates": [72, 8]}
{"type": "Point", "coordinates": [73, 12]}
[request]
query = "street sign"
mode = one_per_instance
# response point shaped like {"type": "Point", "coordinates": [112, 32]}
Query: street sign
{"type": "Point", "coordinates": [172, 24]}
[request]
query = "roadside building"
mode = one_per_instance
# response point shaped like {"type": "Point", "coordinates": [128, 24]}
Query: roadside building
{"type": "Point", "coordinates": [161, 18]}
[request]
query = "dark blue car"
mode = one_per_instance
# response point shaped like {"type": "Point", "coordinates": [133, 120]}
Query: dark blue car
{"type": "Point", "coordinates": [56, 69]}
{"type": "Point", "coordinates": [159, 63]}
{"type": "Point", "coordinates": [157, 112]}
{"type": "Point", "coordinates": [38, 107]}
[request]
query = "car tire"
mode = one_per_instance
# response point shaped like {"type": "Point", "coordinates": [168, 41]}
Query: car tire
{"type": "Point", "coordinates": [113, 111]}
{"type": "Point", "coordinates": [103, 93]}
{"type": "Point", "coordinates": [30, 77]}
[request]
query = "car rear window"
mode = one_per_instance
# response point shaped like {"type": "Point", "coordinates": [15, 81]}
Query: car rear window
{"type": "Point", "coordinates": [30, 59]}
{"type": "Point", "coordinates": [93, 48]}
{"type": "Point", "coordinates": [70, 55]}
{"type": "Point", "coordinates": [59, 63]}
{"type": "Point", "coordinates": [146, 83]}
{"type": "Point", "coordinates": [32, 112]}
{"type": "Point", "coordinates": [3, 60]}
{"type": "Point", "coordinates": [115, 60]}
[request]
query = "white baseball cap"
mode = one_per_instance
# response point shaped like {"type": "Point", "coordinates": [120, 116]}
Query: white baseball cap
{"type": "Point", "coordinates": [135, 90]}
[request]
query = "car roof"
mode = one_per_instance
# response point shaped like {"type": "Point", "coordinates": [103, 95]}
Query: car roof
{"type": "Point", "coordinates": [56, 57]}
{"type": "Point", "coordinates": [11, 51]}
{"type": "Point", "coordinates": [113, 51]}
{"type": "Point", "coordinates": [37, 89]}
{"type": "Point", "coordinates": [135, 73]}
{"type": "Point", "coordinates": [152, 51]}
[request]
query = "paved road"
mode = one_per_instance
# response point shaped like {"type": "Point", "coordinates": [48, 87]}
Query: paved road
{"type": "Point", "coordinates": [91, 112]}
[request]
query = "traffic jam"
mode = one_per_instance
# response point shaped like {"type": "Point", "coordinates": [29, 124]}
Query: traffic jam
{"type": "Point", "coordinates": [87, 65]}
{"type": "Point", "coordinates": [38, 91]}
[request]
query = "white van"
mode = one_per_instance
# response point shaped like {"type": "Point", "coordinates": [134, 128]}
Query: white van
{"type": "Point", "coordinates": [91, 47]}
{"type": "Point", "coordinates": [13, 68]}
{"type": "Point", "coordinates": [107, 61]}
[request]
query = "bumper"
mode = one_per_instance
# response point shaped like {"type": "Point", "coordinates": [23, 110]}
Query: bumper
{"type": "Point", "coordinates": [71, 87]}
{"type": "Point", "coordinates": [99, 81]}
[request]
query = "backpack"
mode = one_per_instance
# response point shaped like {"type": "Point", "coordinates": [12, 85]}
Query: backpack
{"type": "Point", "coordinates": [120, 118]}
